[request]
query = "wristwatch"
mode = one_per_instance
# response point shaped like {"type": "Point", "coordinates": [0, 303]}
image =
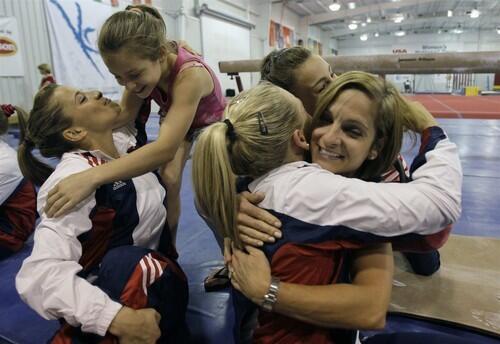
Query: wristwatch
{"type": "Point", "coordinates": [272, 295]}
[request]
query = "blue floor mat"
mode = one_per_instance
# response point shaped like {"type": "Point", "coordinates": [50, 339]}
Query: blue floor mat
{"type": "Point", "coordinates": [403, 329]}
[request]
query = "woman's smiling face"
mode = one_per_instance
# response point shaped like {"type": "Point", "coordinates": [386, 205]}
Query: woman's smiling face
{"type": "Point", "coordinates": [345, 136]}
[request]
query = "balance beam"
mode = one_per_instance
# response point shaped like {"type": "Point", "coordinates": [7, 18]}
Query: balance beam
{"type": "Point", "coordinates": [439, 63]}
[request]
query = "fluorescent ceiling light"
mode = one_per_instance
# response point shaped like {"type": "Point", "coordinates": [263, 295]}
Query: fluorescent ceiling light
{"type": "Point", "coordinates": [363, 37]}
{"type": "Point", "coordinates": [399, 18]}
{"type": "Point", "coordinates": [376, 34]}
{"type": "Point", "coordinates": [400, 33]}
{"type": "Point", "coordinates": [363, 24]}
{"type": "Point", "coordinates": [498, 30]}
{"type": "Point", "coordinates": [458, 30]}
{"type": "Point", "coordinates": [368, 20]}
{"type": "Point", "coordinates": [474, 13]}
{"type": "Point", "coordinates": [450, 13]}
{"type": "Point", "coordinates": [335, 6]}
{"type": "Point", "coordinates": [351, 5]}
{"type": "Point", "coordinates": [352, 26]}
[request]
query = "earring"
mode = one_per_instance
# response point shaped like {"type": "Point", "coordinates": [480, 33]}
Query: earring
{"type": "Point", "coordinates": [372, 156]}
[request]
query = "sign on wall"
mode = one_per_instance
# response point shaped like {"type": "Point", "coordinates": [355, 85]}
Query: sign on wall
{"type": "Point", "coordinates": [432, 48]}
{"type": "Point", "coordinates": [11, 62]}
{"type": "Point", "coordinates": [73, 27]}
{"type": "Point", "coordinates": [280, 36]}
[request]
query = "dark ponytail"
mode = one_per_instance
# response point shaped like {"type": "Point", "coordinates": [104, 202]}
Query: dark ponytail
{"type": "Point", "coordinates": [42, 129]}
{"type": "Point", "coordinates": [278, 66]}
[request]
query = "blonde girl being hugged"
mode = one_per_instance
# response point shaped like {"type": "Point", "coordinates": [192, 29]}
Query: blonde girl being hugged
{"type": "Point", "coordinates": [323, 215]}
{"type": "Point", "coordinates": [135, 50]}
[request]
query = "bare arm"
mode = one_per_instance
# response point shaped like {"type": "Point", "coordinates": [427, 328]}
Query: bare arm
{"type": "Point", "coordinates": [130, 105]}
{"type": "Point", "coordinates": [257, 226]}
{"type": "Point", "coordinates": [360, 305]}
{"type": "Point", "coordinates": [191, 85]}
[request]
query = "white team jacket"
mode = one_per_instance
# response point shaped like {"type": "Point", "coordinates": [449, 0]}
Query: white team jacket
{"type": "Point", "coordinates": [10, 174]}
{"type": "Point", "coordinates": [48, 281]}
{"type": "Point", "coordinates": [313, 195]}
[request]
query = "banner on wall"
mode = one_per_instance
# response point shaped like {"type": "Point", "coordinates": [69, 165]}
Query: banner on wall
{"type": "Point", "coordinates": [402, 49]}
{"type": "Point", "coordinates": [420, 48]}
{"type": "Point", "coordinates": [73, 26]}
{"type": "Point", "coordinates": [280, 36]}
{"type": "Point", "coordinates": [432, 48]}
{"type": "Point", "coordinates": [11, 61]}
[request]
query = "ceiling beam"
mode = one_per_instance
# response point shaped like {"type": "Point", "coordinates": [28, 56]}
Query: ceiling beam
{"type": "Point", "coordinates": [305, 9]}
{"type": "Point", "coordinates": [364, 10]}
{"type": "Point", "coordinates": [322, 5]}
{"type": "Point", "coordinates": [391, 26]}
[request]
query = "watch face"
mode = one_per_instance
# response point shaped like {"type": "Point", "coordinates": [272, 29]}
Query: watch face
{"type": "Point", "coordinates": [272, 296]}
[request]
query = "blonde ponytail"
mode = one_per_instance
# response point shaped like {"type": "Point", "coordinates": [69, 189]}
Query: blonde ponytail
{"type": "Point", "coordinates": [254, 140]}
{"type": "Point", "coordinates": [214, 181]}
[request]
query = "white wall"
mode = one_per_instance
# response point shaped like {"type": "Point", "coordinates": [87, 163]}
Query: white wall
{"type": "Point", "coordinates": [258, 12]}
{"type": "Point", "coordinates": [301, 27]}
{"type": "Point", "coordinates": [34, 43]}
{"type": "Point", "coordinates": [285, 17]}
{"type": "Point", "coordinates": [181, 21]}
{"type": "Point", "coordinates": [259, 37]}
{"type": "Point", "coordinates": [471, 41]}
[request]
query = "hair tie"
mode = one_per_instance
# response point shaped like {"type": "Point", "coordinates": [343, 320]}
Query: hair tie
{"type": "Point", "coordinates": [28, 141]}
{"type": "Point", "coordinates": [231, 133]}
{"type": "Point", "coordinates": [8, 109]}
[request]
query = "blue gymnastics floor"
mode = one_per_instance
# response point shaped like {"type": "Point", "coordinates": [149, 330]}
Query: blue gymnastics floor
{"type": "Point", "coordinates": [209, 314]}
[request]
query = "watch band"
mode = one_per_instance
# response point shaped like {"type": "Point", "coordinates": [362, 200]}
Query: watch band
{"type": "Point", "coordinates": [272, 295]}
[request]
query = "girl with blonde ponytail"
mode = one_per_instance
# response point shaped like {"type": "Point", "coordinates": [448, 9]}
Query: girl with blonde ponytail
{"type": "Point", "coordinates": [17, 195]}
{"type": "Point", "coordinates": [243, 146]}
{"type": "Point", "coordinates": [322, 214]}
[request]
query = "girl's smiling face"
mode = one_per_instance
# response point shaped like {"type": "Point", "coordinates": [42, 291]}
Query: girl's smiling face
{"type": "Point", "coordinates": [139, 75]}
{"type": "Point", "coordinates": [310, 78]}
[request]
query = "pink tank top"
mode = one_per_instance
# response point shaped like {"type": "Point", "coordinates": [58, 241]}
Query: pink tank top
{"type": "Point", "coordinates": [210, 107]}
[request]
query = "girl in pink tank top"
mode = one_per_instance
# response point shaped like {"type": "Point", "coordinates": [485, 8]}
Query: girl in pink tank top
{"type": "Point", "coordinates": [134, 47]}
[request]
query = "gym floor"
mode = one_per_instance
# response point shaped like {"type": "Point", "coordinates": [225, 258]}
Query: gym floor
{"type": "Point", "coordinates": [209, 316]}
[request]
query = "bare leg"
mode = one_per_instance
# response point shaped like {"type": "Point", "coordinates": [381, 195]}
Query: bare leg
{"type": "Point", "coordinates": [171, 175]}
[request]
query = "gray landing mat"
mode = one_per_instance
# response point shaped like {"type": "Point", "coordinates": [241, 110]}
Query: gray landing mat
{"type": "Point", "coordinates": [466, 289]}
